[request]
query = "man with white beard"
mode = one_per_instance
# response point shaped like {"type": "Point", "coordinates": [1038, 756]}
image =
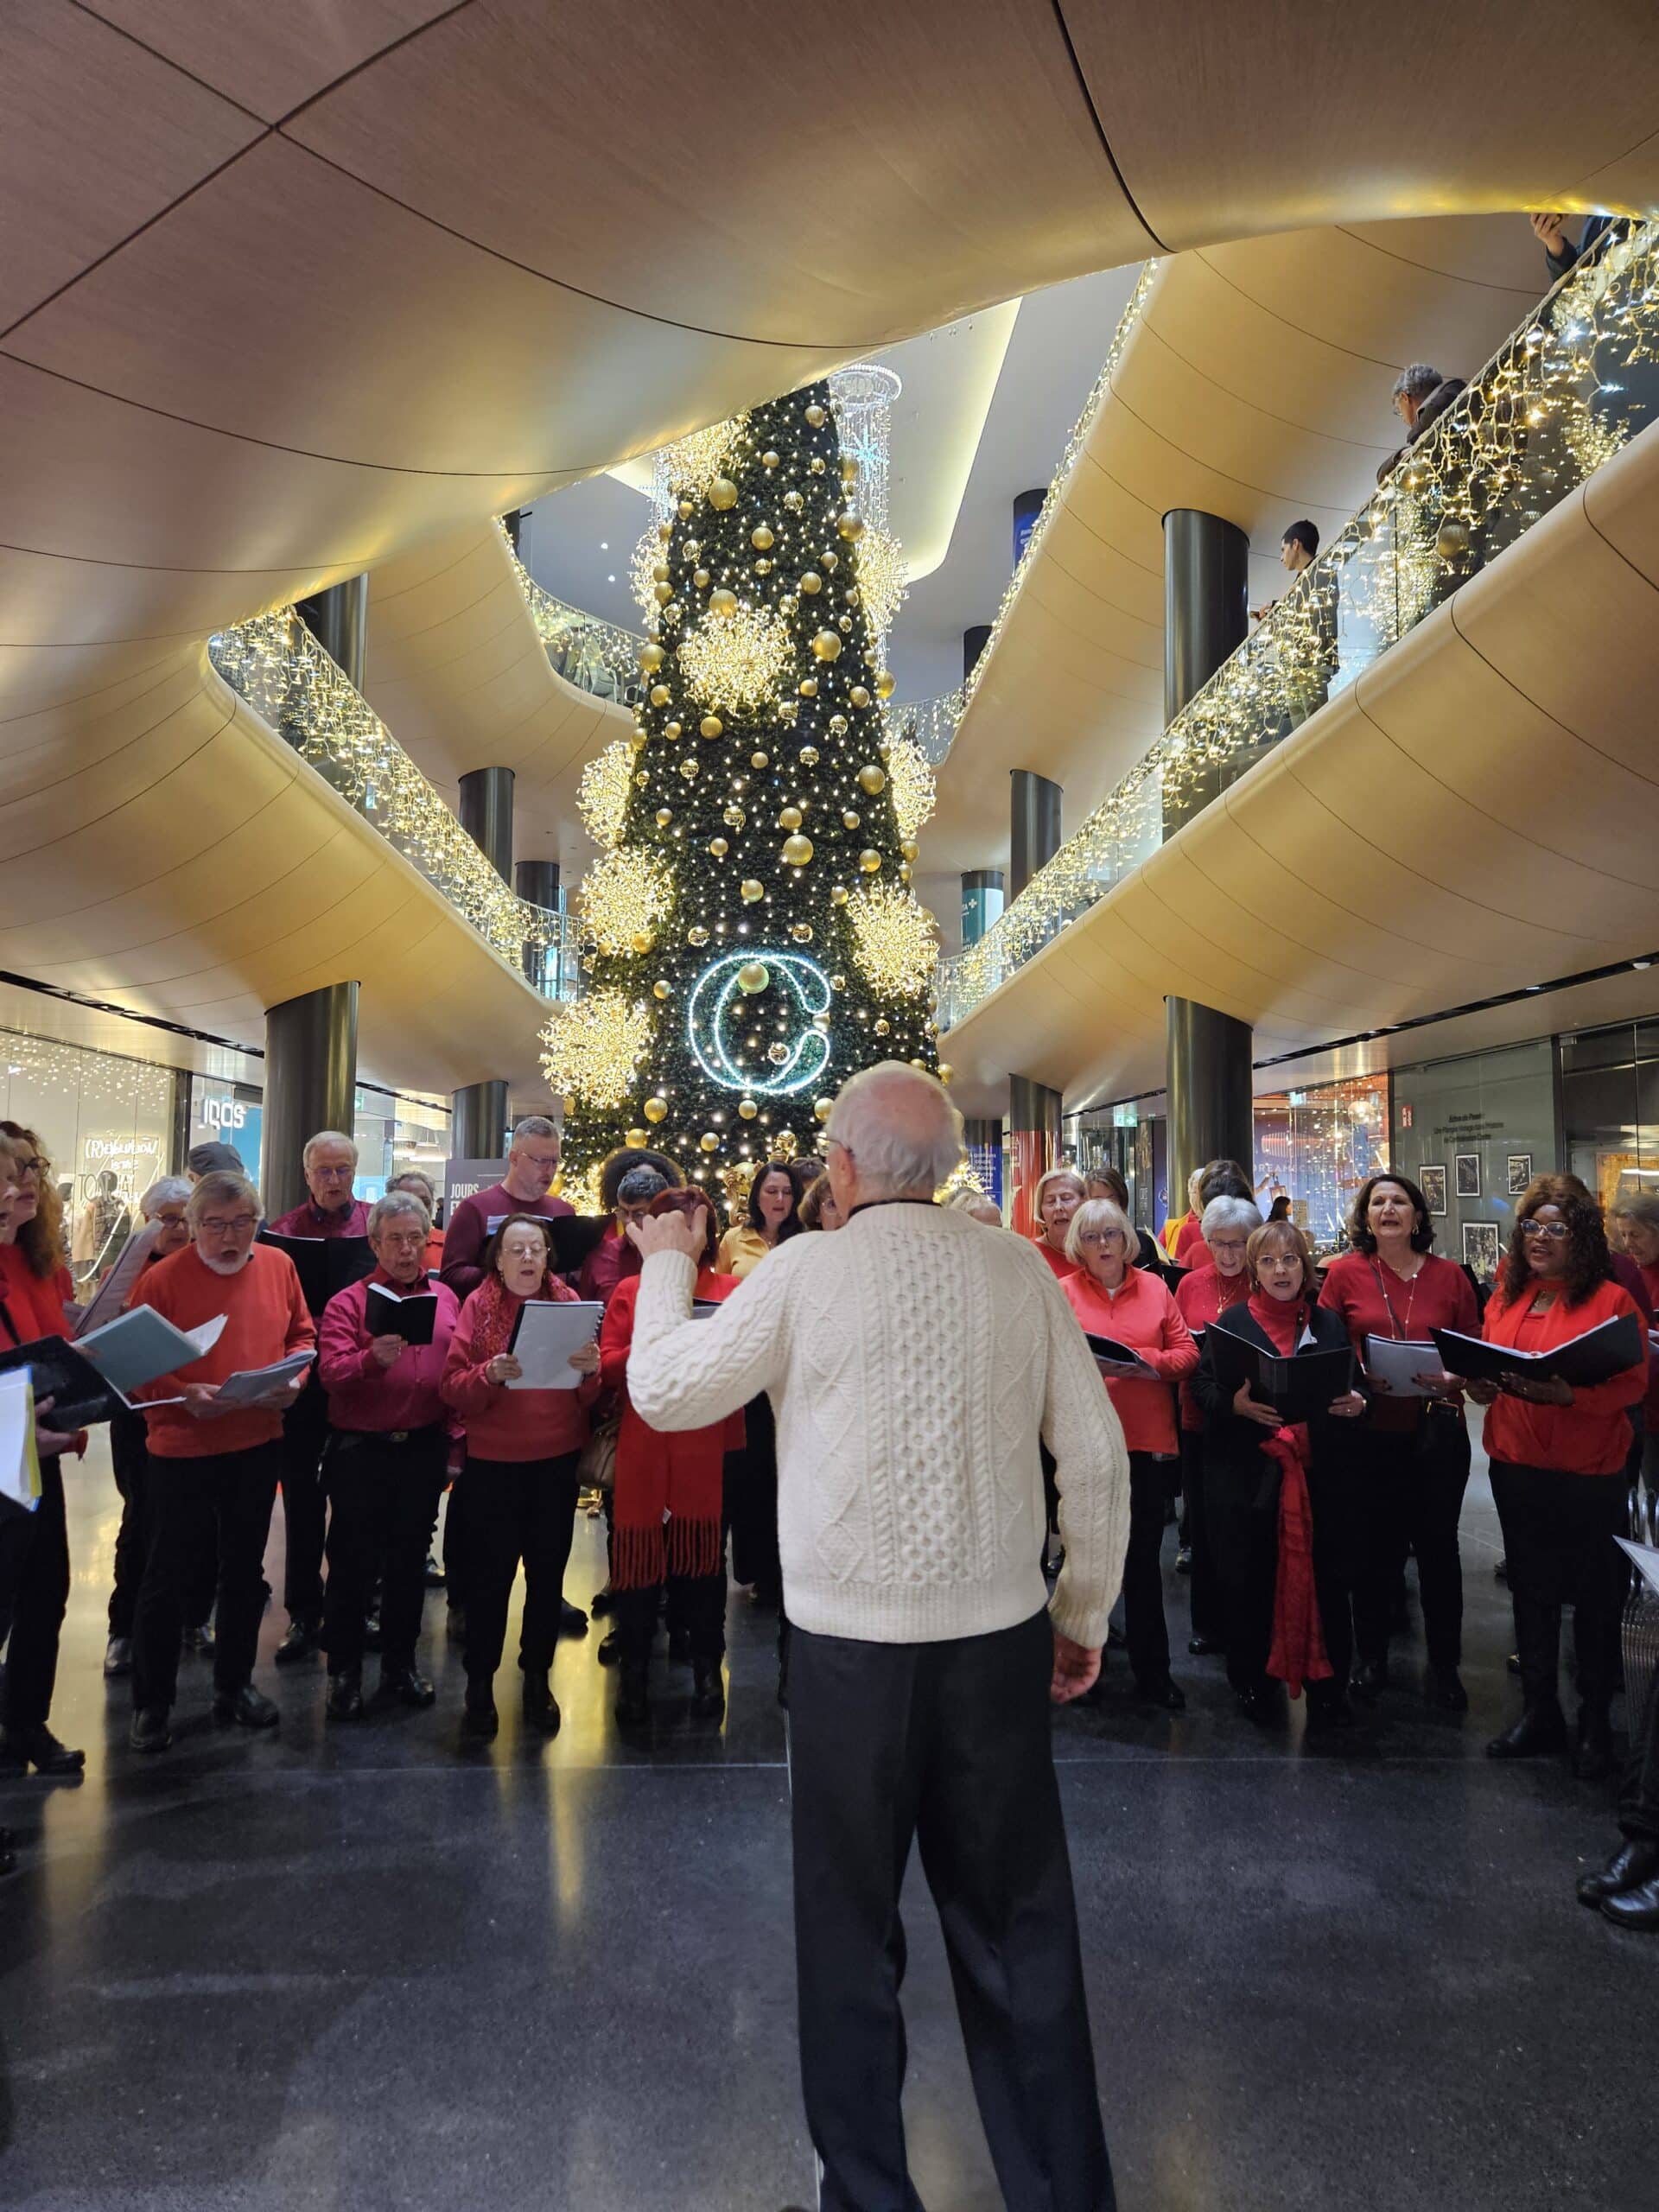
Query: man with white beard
{"type": "Point", "coordinates": [213, 1469]}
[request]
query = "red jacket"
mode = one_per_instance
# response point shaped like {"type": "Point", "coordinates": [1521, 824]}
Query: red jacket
{"type": "Point", "coordinates": [1199, 1297]}
{"type": "Point", "coordinates": [504, 1424]}
{"type": "Point", "coordinates": [265, 1320]}
{"type": "Point", "coordinates": [1592, 1435]}
{"type": "Point", "coordinates": [636, 1437]}
{"type": "Point", "coordinates": [1143, 1316]}
{"type": "Point", "coordinates": [362, 1395]}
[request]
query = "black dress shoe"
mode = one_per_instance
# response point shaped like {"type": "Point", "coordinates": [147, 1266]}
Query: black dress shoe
{"type": "Point", "coordinates": [480, 1721]}
{"type": "Point", "coordinates": [572, 1620]}
{"type": "Point", "coordinates": [248, 1707]}
{"type": "Point", "coordinates": [405, 1686]}
{"type": "Point", "coordinates": [118, 1658]}
{"type": "Point", "coordinates": [540, 1706]}
{"type": "Point", "coordinates": [345, 1700]}
{"type": "Point", "coordinates": [1370, 1680]}
{"type": "Point", "coordinates": [1539, 1730]}
{"type": "Point", "coordinates": [1205, 1647]}
{"type": "Point", "coordinates": [1443, 1686]}
{"type": "Point", "coordinates": [23, 1748]}
{"type": "Point", "coordinates": [298, 1642]}
{"type": "Point", "coordinates": [149, 1730]}
{"type": "Point", "coordinates": [601, 1603]}
{"type": "Point", "coordinates": [610, 1650]}
{"type": "Point", "coordinates": [1631, 1864]}
{"type": "Point", "coordinates": [1184, 1560]}
{"type": "Point", "coordinates": [1637, 1909]}
{"type": "Point", "coordinates": [1168, 1696]}
{"type": "Point", "coordinates": [633, 1696]}
{"type": "Point", "coordinates": [197, 1642]}
{"type": "Point", "coordinates": [707, 1690]}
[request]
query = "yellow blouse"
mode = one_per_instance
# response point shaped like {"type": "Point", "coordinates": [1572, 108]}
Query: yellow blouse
{"type": "Point", "coordinates": [741, 1250]}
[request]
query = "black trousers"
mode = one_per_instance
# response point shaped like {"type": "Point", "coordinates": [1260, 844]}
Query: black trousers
{"type": "Point", "coordinates": [1145, 1631]}
{"type": "Point", "coordinates": [1203, 1596]}
{"type": "Point", "coordinates": [1409, 1497]}
{"type": "Point", "coordinates": [751, 1502]}
{"type": "Point", "coordinates": [1558, 1537]}
{"type": "Point", "coordinates": [1244, 1516]}
{"type": "Point", "coordinates": [454, 1542]}
{"type": "Point", "coordinates": [305, 1502]}
{"type": "Point", "coordinates": [947, 1742]}
{"type": "Point", "coordinates": [129, 1450]}
{"type": "Point", "coordinates": [35, 1574]}
{"type": "Point", "coordinates": [696, 1603]}
{"type": "Point", "coordinates": [1638, 1796]}
{"type": "Point", "coordinates": [224, 1499]}
{"type": "Point", "coordinates": [384, 1498]}
{"type": "Point", "coordinates": [517, 1509]}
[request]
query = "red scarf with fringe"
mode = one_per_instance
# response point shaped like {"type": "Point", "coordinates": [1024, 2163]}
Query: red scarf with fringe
{"type": "Point", "coordinates": [1299, 1653]}
{"type": "Point", "coordinates": [666, 1509]}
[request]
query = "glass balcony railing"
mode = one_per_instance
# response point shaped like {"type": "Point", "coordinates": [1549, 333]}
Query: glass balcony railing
{"type": "Point", "coordinates": [1573, 386]}
{"type": "Point", "coordinates": [277, 665]}
{"type": "Point", "coordinates": [595, 656]}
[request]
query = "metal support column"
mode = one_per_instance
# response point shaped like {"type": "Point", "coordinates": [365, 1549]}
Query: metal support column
{"type": "Point", "coordinates": [1034, 1127]}
{"type": "Point", "coordinates": [487, 815]}
{"type": "Point", "coordinates": [310, 1084]}
{"type": "Point", "coordinates": [1033, 826]}
{"type": "Point", "coordinates": [1211, 1115]}
{"type": "Point", "coordinates": [338, 619]}
{"type": "Point", "coordinates": [536, 882]}
{"type": "Point", "coordinates": [1206, 616]}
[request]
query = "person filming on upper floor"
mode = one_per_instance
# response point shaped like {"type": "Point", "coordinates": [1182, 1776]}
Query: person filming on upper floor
{"type": "Point", "coordinates": [1298, 549]}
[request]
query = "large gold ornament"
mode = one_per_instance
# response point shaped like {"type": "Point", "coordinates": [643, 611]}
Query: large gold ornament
{"type": "Point", "coordinates": [823, 1108]}
{"type": "Point", "coordinates": [869, 860]}
{"type": "Point", "coordinates": [592, 1044]}
{"type": "Point", "coordinates": [789, 818]}
{"type": "Point", "coordinates": [652, 658]}
{"type": "Point", "coordinates": [812, 582]}
{"type": "Point", "coordinates": [718, 847]}
{"type": "Point", "coordinates": [871, 778]}
{"type": "Point", "coordinates": [816, 415]}
{"type": "Point", "coordinates": [751, 890]}
{"type": "Point", "coordinates": [722, 602]}
{"type": "Point", "coordinates": [798, 850]}
{"type": "Point", "coordinates": [747, 1109]}
{"type": "Point", "coordinates": [895, 941]}
{"type": "Point", "coordinates": [762, 539]}
{"type": "Point", "coordinates": [850, 524]}
{"type": "Point", "coordinates": [753, 976]}
{"type": "Point", "coordinates": [625, 895]}
{"type": "Point", "coordinates": [884, 684]}
{"type": "Point", "coordinates": [827, 645]}
{"type": "Point", "coordinates": [711, 726]}
{"type": "Point", "coordinates": [722, 494]}
{"type": "Point", "coordinates": [656, 1110]}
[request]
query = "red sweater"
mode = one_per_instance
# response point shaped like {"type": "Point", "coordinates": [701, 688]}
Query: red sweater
{"type": "Point", "coordinates": [1142, 1315]}
{"type": "Point", "coordinates": [265, 1320]}
{"type": "Point", "coordinates": [1063, 1268]}
{"type": "Point", "coordinates": [1199, 1297]}
{"type": "Point", "coordinates": [504, 1424]}
{"type": "Point", "coordinates": [1592, 1435]}
{"type": "Point", "coordinates": [636, 1437]}
{"type": "Point", "coordinates": [33, 1303]}
{"type": "Point", "coordinates": [363, 1395]}
{"type": "Point", "coordinates": [309, 1219]}
{"type": "Point", "coordinates": [1190, 1250]}
{"type": "Point", "coordinates": [468, 1231]}
{"type": "Point", "coordinates": [612, 1261]}
{"type": "Point", "coordinates": [1439, 1296]}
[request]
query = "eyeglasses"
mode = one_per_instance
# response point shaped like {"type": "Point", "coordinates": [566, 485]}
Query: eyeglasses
{"type": "Point", "coordinates": [410, 1239]}
{"type": "Point", "coordinates": [35, 1166]}
{"type": "Point", "coordinates": [216, 1227]}
{"type": "Point", "coordinates": [1555, 1228]}
{"type": "Point", "coordinates": [1101, 1237]}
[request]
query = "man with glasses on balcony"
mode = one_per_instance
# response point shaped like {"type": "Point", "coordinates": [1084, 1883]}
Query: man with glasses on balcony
{"type": "Point", "coordinates": [330, 1163]}
{"type": "Point", "coordinates": [213, 1473]}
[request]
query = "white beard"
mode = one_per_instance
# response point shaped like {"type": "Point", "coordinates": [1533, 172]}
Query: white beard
{"type": "Point", "coordinates": [229, 1264]}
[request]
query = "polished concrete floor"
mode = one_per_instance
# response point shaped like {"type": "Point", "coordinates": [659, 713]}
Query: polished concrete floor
{"type": "Point", "coordinates": [359, 1971]}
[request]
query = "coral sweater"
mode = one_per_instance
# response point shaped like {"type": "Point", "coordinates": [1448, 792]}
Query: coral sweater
{"type": "Point", "coordinates": [1200, 1298]}
{"type": "Point", "coordinates": [1592, 1435]}
{"type": "Point", "coordinates": [265, 1319]}
{"type": "Point", "coordinates": [1144, 1316]}
{"type": "Point", "coordinates": [1063, 1268]}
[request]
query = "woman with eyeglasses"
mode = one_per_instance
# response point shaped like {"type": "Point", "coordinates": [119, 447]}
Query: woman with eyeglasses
{"type": "Point", "coordinates": [1113, 1298]}
{"type": "Point", "coordinates": [773, 1218]}
{"type": "Point", "coordinates": [35, 1286]}
{"type": "Point", "coordinates": [1412, 1455]}
{"type": "Point", "coordinates": [1202, 1296]}
{"type": "Point", "coordinates": [1278, 1494]}
{"type": "Point", "coordinates": [1557, 1458]}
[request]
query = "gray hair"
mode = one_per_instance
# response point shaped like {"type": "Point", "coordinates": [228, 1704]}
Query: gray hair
{"type": "Point", "coordinates": [899, 1126]}
{"type": "Point", "coordinates": [220, 1186]}
{"type": "Point", "coordinates": [1417, 381]}
{"type": "Point", "coordinates": [1101, 1213]}
{"type": "Point", "coordinates": [1057, 1175]}
{"type": "Point", "coordinates": [1229, 1213]}
{"type": "Point", "coordinates": [533, 1125]}
{"type": "Point", "coordinates": [1639, 1206]}
{"type": "Point", "coordinates": [639, 1183]}
{"type": "Point", "coordinates": [170, 1190]}
{"type": "Point", "coordinates": [328, 1136]}
{"type": "Point", "coordinates": [415, 1175]}
{"type": "Point", "coordinates": [395, 1203]}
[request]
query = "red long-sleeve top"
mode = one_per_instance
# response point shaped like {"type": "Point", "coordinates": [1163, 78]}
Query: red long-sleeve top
{"type": "Point", "coordinates": [468, 1231]}
{"type": "Point", "coordinates": [363, 1395]}
{"type": "Point", "coordinates": [265, 1320]}
{"type": "Point", "coordinates": [1592, 1435]}
{"type": "Point", "coordinates": [1063, 1268]}
{"type": "Point", "coordinates": [1190, 1250]}
{"type": "Point", "coordinates": [635, 1436]}
{"type": "Point", "coordinates": [504, 1424]}
{"type": "Point", "coordinates": [1199, 1297]}
{"type": "Point", "coordinates": [1142, 1315]}
{"type": "Point", "coordinates": [309, 1219]}
{"type": "Point", "coordinates": [1361, 1289]}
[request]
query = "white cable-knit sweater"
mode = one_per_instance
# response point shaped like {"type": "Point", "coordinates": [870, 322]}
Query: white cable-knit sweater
{"type": "Point", "coordinates": [912, 1358]}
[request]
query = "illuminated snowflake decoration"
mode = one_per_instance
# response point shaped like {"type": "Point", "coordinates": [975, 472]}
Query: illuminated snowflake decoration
{"type": "Point", "coordinates": [593, 1046]}
{"type": "Point", "coordinates": [602, 795]}
{"type": "Point", "coordinates": [911, 781]}
{"type": "Point", "coordinates": [623, 897]}
{"type": "Point", "coordinates": [895, 941]}
{"type": "Point", "coordinates": [736, 660]}
{"type": "Point", "coordinates": [883, 577]}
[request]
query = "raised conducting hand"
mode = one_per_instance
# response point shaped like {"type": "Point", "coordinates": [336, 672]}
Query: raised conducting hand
{"type": "Point", "coordinates": [671, 1232]}
{"type": "Point", "coordinates": [1076, 1668]}
{"type": "Point", "coordinates": [1550, 230]}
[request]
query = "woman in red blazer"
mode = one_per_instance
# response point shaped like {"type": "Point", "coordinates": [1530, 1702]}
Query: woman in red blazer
{"type": "Point", "coordinates": [666, 1508]}
{"type": "Point", "coordinates": [1558, 1458]}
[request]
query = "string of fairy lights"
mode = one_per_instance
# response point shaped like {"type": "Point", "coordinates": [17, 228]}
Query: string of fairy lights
{"type": "Point", "coordinates": [275, 663]}
{"type": "Point", "coordinates": [1567, 391]}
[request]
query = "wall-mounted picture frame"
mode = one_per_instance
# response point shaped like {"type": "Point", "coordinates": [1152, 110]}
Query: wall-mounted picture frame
{"type": "Point", "coordinates": [1468, 1168]}
{"type": "Point", "coordinates": [1431, 1181]}
{"type": "Point", "coordinates": [1520, 1165]}
{"type": "Point", "coordinates": [1480, 1249]}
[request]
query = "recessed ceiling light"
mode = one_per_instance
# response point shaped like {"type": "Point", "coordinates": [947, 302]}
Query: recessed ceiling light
{"type": "Point", "coordinates": [610, 580]}
{"type": "Point", "coordinates": [604, 544]}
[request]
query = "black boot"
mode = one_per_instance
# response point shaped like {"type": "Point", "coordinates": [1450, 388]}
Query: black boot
{"type": "Point", "coordinates": [23, 1748]}
{"type": "Point", "coordinates": [1637, 1908]}
{"type": "Point", "coordinates": [540, 1706]}
{"type": "Point", "coordinates": [299, 1640]}
{"type": "Point", "coordinates": [480, 1719]}
{"type": "Point", "coordinates": [1540, 1730]}
{"type": "Point", "coordinates": [1372, 1679]}
{"type": "Point", "coordinates": [707, 1690]}
{"type": "Point", "coordinates": [404, 1686]}
{"type": "Point", "coordinates": [345, 1700]}
{"type": "Point", "coordinates": [633, 1694]}
{"type": "Point", "coordinates": [1443, 1686]}
{"type": "Point", "coordinates": [1630, 1866]}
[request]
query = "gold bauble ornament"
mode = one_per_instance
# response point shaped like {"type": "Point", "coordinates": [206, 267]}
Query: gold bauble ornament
{"type": "Point", "coordinates": [869, 860]}
{"type": "Point", "coordinates": [718, 847]}
{"type": "Point", "coordinates": [845, 624]}
{"type": "Point", "coordinates": [849, 469]}
{"type": "Point", "coordinates": [652, 658]}
{"type": "Point", "coordinates": [910, 849]}
{"type": "Point", "coordinates": [660, 695]}
{"type": "Point", "coordinates": [665, 531]}
{"type": "Point", "coordinates": [733, 817]}
{"type": "Point", "coordinates": [673, 729]}
{"type": "Point", "coordinates": [809, 756]}
{"type": "Point", "coordinates": [1451, 539]}
{"type": "Point", "coordinates": [850, 524]}
{"type": "Point", "coordinates": [671, 611]}
{"type": "Point", "coordinates": [808, 687]}
{"type": "Point", "coordinates": [723, 602]}
{"type": "Point", "coordinates": [722, 494]}
{"type": "Point", "coordinates": [710, 1142]}
{"type": "Point", "coordinates": [884, 684]}
{"type": "Point", "coordinates": [827, 645]}
{"type": "Point", "coordinates": [801, 931]}
{"type": "Point", "coordinates": [664, 815]}
{"type": "Point", "coordinates": [823, 1107]}
{"type": "Point", "coordinates": [753, 976]}
{"type": "Point", "coordinates": [762, 539]}
{"type": "Point", "coordinates": [692, 548]}
{"type": "Point", "coordinates": [700, 578]}
{"type": "Point", "coordinates": [760, 760]}
{"type": "Point", "coordinates": [638, 1136]}
{"type": "Point", "coordinates": [688, 766]}
{"type": "Point", "coordinates": [816, 415]}
{"type": "Point", "coordinates": [685, 510]}
{"type": "Point", "coordinates": [946, 1073]}
{"type": "Point", "coordinates": [920, 1066]}
{"type": "Point", "coordinates": [837, 982]}
{"type": "Point", "coordinates": [789, 818]}
{"type": "Point", "coordinates": [747, 1109]}
{"type": "Point", "coordinates": [656, 1110]}
{"type": "Point", "coordinates": [838, 725]}
{"type": "Point", "coordinates": [788, 603]}
{"type": "Point", "coordinates": [642, 778]}
{"type": "Point", "coordinates": [798, 850]}
{"type": "Point", "coordinates": [816, 465]}
{"type": "Point", "coordinates": [711, 726]}
{"type": "Point", "coordinates": [778, 1054]}
{"type": "Point", "coordinates": [859, 696]}
{"type": "Point", "coordinates": [696, 934]}
{"type": "Point", "coordinates": [662, 594]}
{"type": "Point", "coordinates": [832, 562]}
{"type": "Point", "coordinates": [812, 582]}
{"type": "Point", "coordinates": [642, 940]}
{"type": "Point", "coordinates": [871, 778]}
{"type": "Point", "coordinates": [838, 896]}
{"type": "Point", "coordinates": [882, 1028]}
{"type": "Point", "coordinates": [660, 989]}
{"type": "Point", "coordinates": [904, 871]}
{"type": "Point", "coordinates": [763, 567]}
{"type": "Point", "coordinates": [751, 890]}
{"type": "Point", "coordinates": [849, 820]}
{"type": "Point", "coordinates": [659, 574]}
{"type": "Point", "coordinates": [794, 502]}
{"type": "Point", "coordinates": [769, 459]}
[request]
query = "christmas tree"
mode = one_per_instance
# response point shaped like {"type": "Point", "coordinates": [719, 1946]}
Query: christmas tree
{"type": "Point", "coordinates": [749, 936]}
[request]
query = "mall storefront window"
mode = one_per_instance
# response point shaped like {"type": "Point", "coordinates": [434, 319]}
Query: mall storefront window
{"type": "Point", "coordinates": [393, 1131]}
{"type": "Point", "coordinates": [1609, 1107]}
{"type": "Point", "coordinates": [1473, 1132]}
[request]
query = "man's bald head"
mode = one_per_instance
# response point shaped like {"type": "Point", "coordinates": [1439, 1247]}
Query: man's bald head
{"type": "Point", "coordinates": [893, 1134]}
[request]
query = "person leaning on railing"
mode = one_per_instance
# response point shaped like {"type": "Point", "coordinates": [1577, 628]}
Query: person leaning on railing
{"type": "Point", "coordinates": [1421, 396]}
{"type": "Point", "coordinates": [1557, 1457]}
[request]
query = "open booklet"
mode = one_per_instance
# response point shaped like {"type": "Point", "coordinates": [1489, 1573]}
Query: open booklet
{"type": "Point", "coordinates": [547, 1332]}
{"type": "Point", "coordinates": [410, 1315]}
{"type": "Point", "coordinates": [325, 1265]}
{"type": "Point", "coordinates": [1298, 1386]}
{"type": "Point", "coordinates": [1109, 1353]}
{"type": "Point", "coordinates": [1398, 1361]}
{"type": "Point", "coordinates": [250, 1384]}
{"type": "Point", "coordinates": [93, 1379]}
{"type": "Point", "coordinates": [20, 1465]}
{"type": "Point", "coordinates": [1583, 1361]}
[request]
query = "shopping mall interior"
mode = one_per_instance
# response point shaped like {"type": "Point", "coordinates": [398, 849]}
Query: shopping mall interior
{"type": "Point", "coordinates": [1243, 564]}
